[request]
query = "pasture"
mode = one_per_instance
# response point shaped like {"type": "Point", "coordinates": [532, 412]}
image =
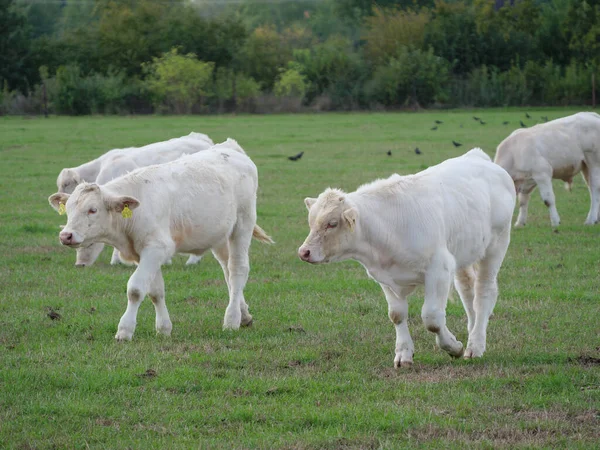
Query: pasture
{"type": "Point", "coordinates": [316, 368]}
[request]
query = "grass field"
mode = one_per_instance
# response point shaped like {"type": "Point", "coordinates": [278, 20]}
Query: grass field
{"type": "Point", "coordinates": [316, 368]}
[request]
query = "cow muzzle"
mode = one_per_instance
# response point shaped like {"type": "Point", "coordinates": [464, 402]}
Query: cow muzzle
{"type": "Point", "coordinates": [69, 239]}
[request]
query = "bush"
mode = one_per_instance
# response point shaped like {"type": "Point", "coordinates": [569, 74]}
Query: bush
{"type": "Point", "coordinates": [178, 82]}
{"type": "Point", "coordinates": [290, 83]}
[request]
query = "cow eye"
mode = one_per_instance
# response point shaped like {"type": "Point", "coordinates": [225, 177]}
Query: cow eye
{"type": "Point", "coordinates": [92, 211]}
{"type": "Point", "coordinates": [332, 224]}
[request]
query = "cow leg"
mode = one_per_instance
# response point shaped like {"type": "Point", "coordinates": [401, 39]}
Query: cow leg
{"type": "Point", "coordinates": [398, 314]}
{"type": "Point", "coordinates": [592, 179]}
{"type": "Point", "coordinates": [193, 259]}
{"type": "Point", "coordinates": [437, 287]}
{"type": "Point", "coordinates": [544, 182]}
{"type": "Point", "coordinates": [115, 258]}
{"type": "Point", "coordinates": [238, 265]}
{"type": "Point", "coordinates": [486, 294]}
{"type": "Point", "coordinates": [524, 195]}
{"type": "Point", "coordinates": [157, 294]}
{"type": "Point", "coordinates": [464, 282]}
{"type": "Point", "coordinates": [138, 286]}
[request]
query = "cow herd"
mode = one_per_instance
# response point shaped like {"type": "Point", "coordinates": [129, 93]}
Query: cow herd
{"type": "Point", "coordinates": [448, 223]}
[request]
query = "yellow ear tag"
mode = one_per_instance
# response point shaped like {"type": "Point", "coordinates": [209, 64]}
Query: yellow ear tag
{"type": "Point", "coordinates": [62, 209]}
{"type": "Point", "coordinates": [126, 213]}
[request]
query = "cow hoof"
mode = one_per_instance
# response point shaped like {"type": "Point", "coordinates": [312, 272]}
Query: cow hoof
{"type": "Point", "coordinates": [123, 336]}
{"type": "Point", "coordinates": [457, 353]}
{"type": "Point", "coordinates": [519, 225]}
{"type": "Point", "coordinates": [473, 352]}
{"type": "Point", "coordinates": [165, 329]}
{"type": "Point", "coordinates": [403, 364]}
{"type": "Point", "coordinates": [247, 322]}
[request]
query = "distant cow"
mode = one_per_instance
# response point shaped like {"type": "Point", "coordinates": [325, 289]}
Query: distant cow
{"type": "Point", "coordinates": [557, 149]}
{"type": "Point", "coordinates": [190, 205]}
{"type": "Point", "coordinates": [115, 163]}
{"type": "Point", "coordinates": [449, 221]}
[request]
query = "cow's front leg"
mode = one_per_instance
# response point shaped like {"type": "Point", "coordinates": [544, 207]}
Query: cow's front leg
{"type": "Point", "coordinates": [398, 314]}
{"type": "Point", "coordinates": [544, 183]}
{"type": "Point", "coordinates": [157, 294]}
{"type": "Point", "coordinates": [138, 286]}
{"type": "Point", "coordinates": [437, 287]}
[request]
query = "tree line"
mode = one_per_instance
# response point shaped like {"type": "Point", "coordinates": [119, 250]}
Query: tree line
{"type": "Point", "coordinates": [145, 56]}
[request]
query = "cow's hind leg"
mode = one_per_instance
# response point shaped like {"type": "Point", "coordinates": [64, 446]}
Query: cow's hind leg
{"type": "Point", "coordinates": [437, 287]}
{"type": "Point", "coordinates": [592, 179]}
{"type": "Point", "coordinates": [398, 314]}
{"type": "Point", "coordinates": [139, 284]}
{"type": "Point", "coordinates": [238, 266]}
{"type": "Point", "coordinates": [221, 253]}
{"type": "Point", "coordinates": [464, 282]}
{"type": "Point", "coordinates": [486, 294]}
{"type": "Point", "coordinates": [524, 195]}
{"type": "Point", "coordinates": [157, 294]}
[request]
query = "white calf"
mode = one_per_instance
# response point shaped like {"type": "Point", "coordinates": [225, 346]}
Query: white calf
{"type": "Point", "coordinates": [449, 221]}
{"type": "Point", "coordinates": [190, 205]}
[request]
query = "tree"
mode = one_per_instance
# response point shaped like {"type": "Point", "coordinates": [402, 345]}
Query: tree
{"type": "Point", "coordinates": [14, 47]}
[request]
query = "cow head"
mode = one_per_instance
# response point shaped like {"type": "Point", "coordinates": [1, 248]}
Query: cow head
{"type": "Point", "coordinates": [67, 181]}
{"type": "Point", "coordinates": [332, 220]}
{"type": "Point", "coordinates": [91, 211]}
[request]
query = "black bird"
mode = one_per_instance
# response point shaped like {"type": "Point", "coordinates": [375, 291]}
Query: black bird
{"type": "Point", "coordinates": [528, 116]}
{"type": "Point", "coordinates": [438, 122]}
{"type": "Point", "coordinates": [482, 122]}
{"type": "Point", "coordinates": [434, 128]}
{"type": "Point", "coordinates": [53, 314]}
{"type": "Point", "coordinates": [456, 144]}
{"type": "Point", "coordinates": [476, 118]}
{"type": "Point", "coordinates": [545, 118]}
{"type": "Point", "coordinates": [296, 157]}
{"type": "Point", "coordinates": [505, 122]}
{"type": "Point", "coordinates": [522, 124]}
{"type": "Point", "coordinates": [389, 153]}
{"type": "Point", "coordinates": [417, 151]}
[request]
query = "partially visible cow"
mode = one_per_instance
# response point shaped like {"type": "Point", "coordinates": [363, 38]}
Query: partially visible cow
{"type": "Point", "coordinates": [118, 162]}
{"type": "Point", "coordinates": [558, 149]}
{"type": "Point", "coordinates": [190, 205]}
{"type": "Point", "coordinates": [450, 221]}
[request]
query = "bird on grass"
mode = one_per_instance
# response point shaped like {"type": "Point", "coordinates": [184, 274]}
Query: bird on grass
{"type": "Point", "coordinates": [505, 122]}
{"type": "Point", "coordinates": [522, 124]}
{"type": "Point", "coordinates": [53, 314]}
{"type": "Point", "coordinates": [476, 118]}
{"type": "Point", "coordinates": [434, 128]}
{"type": "Point", "coordinates": [456, 144]}
{"type": "Point", "coordinates": [417, 151]}
{"type": "Point", "coordinates": [389, 153]}
{"type": "Point", "coordinates": [528, 116]}
{"type": "Point", "coordinates": [482, 122]}
{"type": "Point", "coordinates": [438, 121]}
{"type": "Point", "coordinates": [296, 157]}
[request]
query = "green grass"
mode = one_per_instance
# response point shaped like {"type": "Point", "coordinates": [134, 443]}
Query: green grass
{"type": "Point", "coordinates": [316, 369]}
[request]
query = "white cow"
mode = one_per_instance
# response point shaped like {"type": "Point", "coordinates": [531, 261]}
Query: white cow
{"type": "Point", "coordinates": [190, 205]}
{"type": "Point", "coordinates": [449, 221]}
{"type": "Point", "coordinates": [118, 162]}
{"type": "Point", "coordinates": [558, 149]}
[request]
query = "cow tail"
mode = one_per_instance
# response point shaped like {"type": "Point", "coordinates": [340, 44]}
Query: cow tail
{"type": "Point", "coordinates": [259, 234]}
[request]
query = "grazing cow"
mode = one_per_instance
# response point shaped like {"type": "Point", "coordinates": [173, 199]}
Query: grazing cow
{"type": "Point", "coordinates": [451, 220]}
{"type": "Point", "coordinates": [558, 149]}
{"type": "Point", "coordinates": [120, 161]}
{"type": "Point", "coordinates": [198, 202]}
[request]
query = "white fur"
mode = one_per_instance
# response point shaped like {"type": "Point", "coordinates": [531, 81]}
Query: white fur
{"type": "Point", "coordinates": [558, 149]}
{"type": "Point", "coordinates": [423, 229]}
{"type": "Point", "coordinates": [205, 201]}
{"type": "Point", "coordinates": [119, 162]}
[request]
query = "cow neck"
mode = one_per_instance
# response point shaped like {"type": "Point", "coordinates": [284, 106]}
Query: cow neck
{"type": "Point", "coordinates": [369, 241]}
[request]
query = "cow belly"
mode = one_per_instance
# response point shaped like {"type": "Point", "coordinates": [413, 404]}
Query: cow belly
{"type": "Point", "coordinates": [566, 172]}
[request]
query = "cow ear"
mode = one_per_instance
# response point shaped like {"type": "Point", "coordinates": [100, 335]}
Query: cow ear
{"type": "Point", "coordinates": [350, 215]}
{"type": "Point", "coordinates": [60, 198]}
{"type": "Point", "coordinates": [308, 201]}
{"type": "Point", "coordinates": [118, 203]}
